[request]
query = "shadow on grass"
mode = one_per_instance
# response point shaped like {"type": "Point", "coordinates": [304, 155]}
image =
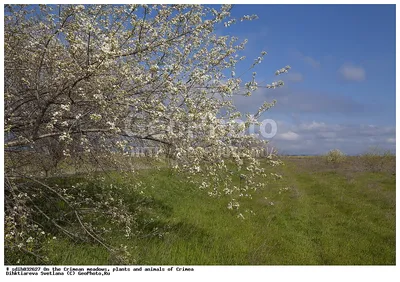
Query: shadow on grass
{"type": "Point", "coordinates": [152, 226]}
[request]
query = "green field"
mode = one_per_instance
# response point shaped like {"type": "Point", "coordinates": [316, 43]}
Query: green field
{"type": "Point", "coordinates": [327, 214]}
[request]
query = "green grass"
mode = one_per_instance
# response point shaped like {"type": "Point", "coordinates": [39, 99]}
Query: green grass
{"type": "Point", "coordinates": [327, 216]}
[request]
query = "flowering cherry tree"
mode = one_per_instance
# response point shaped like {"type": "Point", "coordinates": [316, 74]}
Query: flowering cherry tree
{"type": "Point", "coordinates": [101, 78]}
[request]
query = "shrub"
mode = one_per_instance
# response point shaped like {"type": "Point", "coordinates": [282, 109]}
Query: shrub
{"type": "Point", "coordinates": [376, 159]}
{"type": "Point", "coordinates": [335, 156]}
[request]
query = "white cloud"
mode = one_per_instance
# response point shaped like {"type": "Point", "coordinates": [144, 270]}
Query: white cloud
{"type": "Point", "coordinates": [320, 137]}
{"type": "Point", "coordinates": [391, 140]}
{"type": "Point", "coordinates": [312, 62]}
{"type": "Point", "coordinates": [327, 135]}
{"type": "Point", "coordinates": [294, 76]}
{"type": "Point", "coordinates": [307, 59]}
{"type": "Point", "coordinates": [312, 126]}
{"type": "Point", "coordinates": [289, 136]}
{"type": "Point", "coordinates": [352, 73]}
{"type": "Point", "coordinates": [290, 100]}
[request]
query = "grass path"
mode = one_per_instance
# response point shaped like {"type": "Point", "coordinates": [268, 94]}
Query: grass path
{"type": "Point", "coordinates": [342, 220]}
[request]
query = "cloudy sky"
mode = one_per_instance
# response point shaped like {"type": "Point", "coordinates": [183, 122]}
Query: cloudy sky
{"type": "Point", "coordinates": [340, 92]}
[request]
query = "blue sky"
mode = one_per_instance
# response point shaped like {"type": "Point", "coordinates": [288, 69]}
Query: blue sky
{"type": "Point", "coordinates": [340, 92]}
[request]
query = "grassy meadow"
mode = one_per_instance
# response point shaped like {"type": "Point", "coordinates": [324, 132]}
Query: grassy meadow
{"type": "Point", "coordinates": [319, 214]}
